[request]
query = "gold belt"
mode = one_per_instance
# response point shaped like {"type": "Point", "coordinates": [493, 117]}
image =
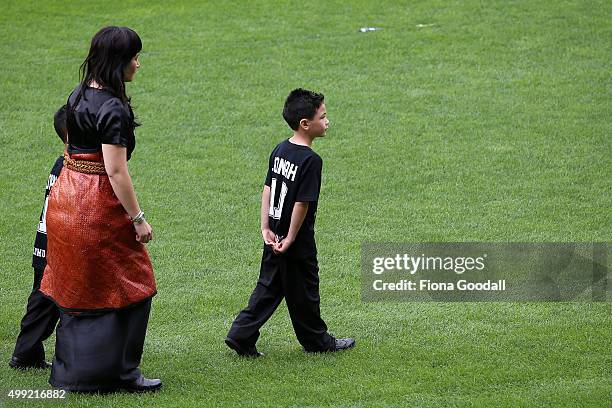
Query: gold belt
{"type": "Point", "coordinates": [84, 166]}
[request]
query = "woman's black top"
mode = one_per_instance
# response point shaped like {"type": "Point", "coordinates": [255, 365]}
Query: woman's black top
{"type": "Point", "coordinates": [99, 118]}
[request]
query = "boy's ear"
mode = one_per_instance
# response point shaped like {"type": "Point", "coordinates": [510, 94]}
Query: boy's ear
{"type": "Point", "coordinates": [304, 124]}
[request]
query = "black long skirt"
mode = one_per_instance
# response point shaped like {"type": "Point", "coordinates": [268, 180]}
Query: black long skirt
{"type": "Point", "coordinates": [99, 352]}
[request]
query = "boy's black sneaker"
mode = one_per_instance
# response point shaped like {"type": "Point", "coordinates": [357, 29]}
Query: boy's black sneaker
{"type": "Point", "coordinates": [344, 344]}
{"type": "Point", "coordinates": [19, 364]}
{"type": "Point", "coordinates": [339, 345]}
{"type": "Point", "coordinates": [241, 350]}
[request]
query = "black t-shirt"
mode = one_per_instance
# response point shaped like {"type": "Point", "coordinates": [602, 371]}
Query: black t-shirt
{"type": "Point", "coordinates": [99, 118]}
{"type": "Point", "coordinates": [294, 175]}
{"type": "Point", "coordinates": [39, 260]}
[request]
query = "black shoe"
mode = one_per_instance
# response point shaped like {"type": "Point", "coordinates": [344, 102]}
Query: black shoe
{"type": "Point", "coordinates": [19, 364]}
{"type": "Point", "coordinates": [242, 351]}
{"type": "Point", "coordinates": [142, 384]}
{"type": "Point", "coordinates": [344, 344]}
{"type": "Point", "coordinates": [339, 345]}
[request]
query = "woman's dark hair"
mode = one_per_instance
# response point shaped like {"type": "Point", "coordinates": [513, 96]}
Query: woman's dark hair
{"type": "Point", "coordinates": [111, 51]}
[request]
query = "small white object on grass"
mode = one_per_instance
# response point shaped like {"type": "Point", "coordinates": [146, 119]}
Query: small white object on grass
{"type": "Point", "coordinates": [424, 25]}
{"type": "Point", "coordinates": [368, 29]}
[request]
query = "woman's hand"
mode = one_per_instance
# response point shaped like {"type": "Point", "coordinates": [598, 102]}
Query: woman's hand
{"type": "Point", "coordinates": [144, 232]}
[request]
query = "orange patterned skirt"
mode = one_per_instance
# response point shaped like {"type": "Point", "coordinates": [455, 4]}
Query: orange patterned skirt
{"type": "Point", "coordinates": [94, 262]}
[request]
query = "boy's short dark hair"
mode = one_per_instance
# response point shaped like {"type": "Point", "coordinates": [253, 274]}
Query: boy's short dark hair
{"type": "Point", "coordinates": [59, 122]}
{"type": "Point", "coordinates": [301, 104]}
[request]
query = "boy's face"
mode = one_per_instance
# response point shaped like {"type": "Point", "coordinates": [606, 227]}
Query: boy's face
{"type": "Point", "coordinates": [317, 126]}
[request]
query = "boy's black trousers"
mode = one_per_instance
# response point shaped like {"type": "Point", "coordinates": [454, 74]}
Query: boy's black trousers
{"type": "Point", "coordinates": [297, 280]}
{"type": "Point", "coordinates": [37, 324]}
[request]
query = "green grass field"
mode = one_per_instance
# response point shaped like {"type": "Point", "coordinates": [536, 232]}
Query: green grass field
{"type": "Point", "coordinates": [458, 121]}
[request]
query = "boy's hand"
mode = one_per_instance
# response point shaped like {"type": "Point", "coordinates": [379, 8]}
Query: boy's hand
{"type": "Point", "coordinates": [268, 236]}
{"type": "Point", "coordinates": [282, 246]}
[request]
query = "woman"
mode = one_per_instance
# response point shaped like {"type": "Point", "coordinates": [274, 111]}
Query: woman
{"type": "Point", "coordinates": [99, 272]}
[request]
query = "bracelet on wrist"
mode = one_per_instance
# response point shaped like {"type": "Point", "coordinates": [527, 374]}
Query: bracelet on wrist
{"type": "Point", "coordinates": [138, 218]}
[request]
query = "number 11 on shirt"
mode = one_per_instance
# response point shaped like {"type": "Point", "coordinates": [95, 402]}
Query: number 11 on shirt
{"type": "Point", "coordinates": [275, 212]}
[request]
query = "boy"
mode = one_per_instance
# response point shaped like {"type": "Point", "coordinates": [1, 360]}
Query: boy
{"type": "Point", "coordinates": [289, 265]}
{"type": "Point", "coordinates": [41, 314]}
